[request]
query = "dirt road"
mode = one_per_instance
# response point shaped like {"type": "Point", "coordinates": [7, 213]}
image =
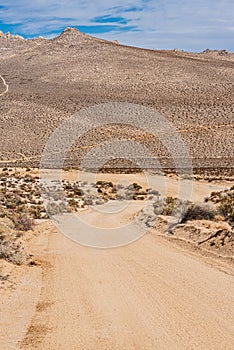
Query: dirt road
{"type": "Point", "coordinates": [150, 294]}
{"type": "Point", "coordinates": [147, 295]}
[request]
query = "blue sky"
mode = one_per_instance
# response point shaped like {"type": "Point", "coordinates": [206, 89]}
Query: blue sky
{"type": "Point", "coordinates": [192, 25]}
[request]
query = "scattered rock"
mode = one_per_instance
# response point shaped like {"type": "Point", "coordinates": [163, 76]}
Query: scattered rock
{"type": "Point", "coordinates": [223, 52]}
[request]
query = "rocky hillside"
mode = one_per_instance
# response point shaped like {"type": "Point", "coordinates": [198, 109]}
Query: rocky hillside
{"type": "Point", "coordinates": [50, 80]}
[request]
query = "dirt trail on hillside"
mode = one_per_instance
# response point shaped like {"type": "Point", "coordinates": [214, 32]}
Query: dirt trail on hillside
{"type": "Point", "coordinates": [5, 85]}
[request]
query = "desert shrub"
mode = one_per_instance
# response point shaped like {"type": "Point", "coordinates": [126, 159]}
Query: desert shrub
{"type": "Point", "coordinates": [140, 198]}
{"type": "Point", "coordinates": [28, 179]}
{"type": "Point", "coordinates": [8, 195]}
{"type": "Point", "coordinates": [128, 195]}
{"type": "Point", "coordinates": [72, 202]}
{"type": "Point", "coordinates": [53, 209]}
{"type": "Point", "coordinates": [130, 187]}
{"type": "Point", "coordinates": [12, 251]}
{"type": "Point", "coordinates": [22, 221]}
{"type": "Point", "coordinates": [136, 186]}
{"type": "Point", "coordinates": [169, 205]}
{"type": "Point", "coordinates": [158, 206]}
{"type": "Point", "coordinates": [226, 209]}
{"type": "Point", "coordinates": [35, 212]}
{"type": "Point", "coordinates": [198, 212]}
{"type": "Point", "coordinates": [114, 189]}
{"type": "Point", "coordinates": [67, 186]}
{"type": "Point", "coordinates": [224, 201]}
{"type": "Point", "coordinates": [10, 205]}
{"type": "Point", "coordinates": [104, 184]}
{"type": "Point", "coordinates": [21, 208]}
{"type": "Point", "coordinates": [2, 214]}
{"type": "Point", "coordinates": [78, 191]}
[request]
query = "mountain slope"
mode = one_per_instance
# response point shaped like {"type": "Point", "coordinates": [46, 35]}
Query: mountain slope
{"type": "Point", "coordinates": [50, 80]}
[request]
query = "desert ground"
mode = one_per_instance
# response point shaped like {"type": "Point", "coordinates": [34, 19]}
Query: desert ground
{"type": "Point", "coordinates": [162, 291]}
{"type": "Point", "coordinates": [169, 283]}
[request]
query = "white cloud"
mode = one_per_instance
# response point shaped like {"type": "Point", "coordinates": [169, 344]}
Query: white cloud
{"type": "Point", "coordinates": [185, 24]}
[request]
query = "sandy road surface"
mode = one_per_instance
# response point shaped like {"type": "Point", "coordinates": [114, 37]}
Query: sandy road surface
{"type": "Point", "coordinates": [147, 295]}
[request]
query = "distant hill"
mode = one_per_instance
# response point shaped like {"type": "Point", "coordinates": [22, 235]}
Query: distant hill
{"type": "Point", "coordinates": [51, 79]}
